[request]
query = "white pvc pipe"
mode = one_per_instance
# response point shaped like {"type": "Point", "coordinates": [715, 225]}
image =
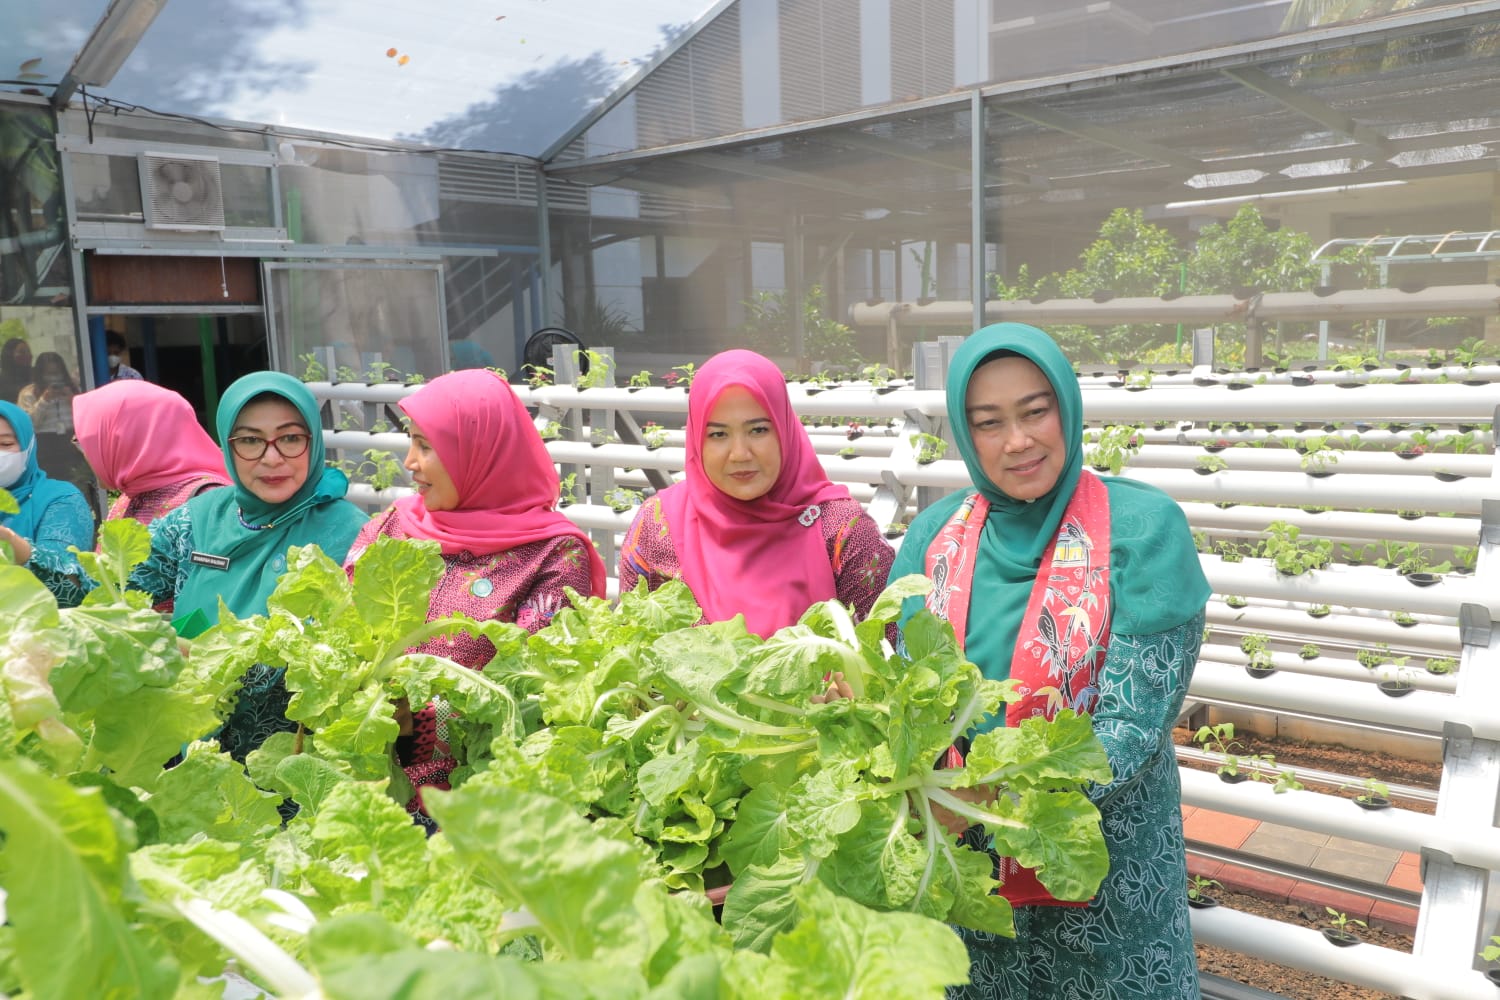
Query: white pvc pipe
{"type": "Point", "coordinates": [1288, 460]}
{"type": "Point", "coordinates": [1431, 636]}
{"type": "Point", "coordinates": [1354, 586]}
{"type": "Point", "coordinates": [1384, 969]}
{"type": "Point", "coordinates": [1350, 492]}
{"type": "Point", "coordinates": [1422, 711]}
{"type": "Point", "coordinates": [1400, 829]}
{"type": "Point", "coordinates": [1333, 524]}
{"type": "Point", "coordinates": [1336, 668]}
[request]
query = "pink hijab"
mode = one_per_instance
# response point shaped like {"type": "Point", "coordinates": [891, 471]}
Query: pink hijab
{"type": "Point", "coordinates": [507, 485]}
{"type": "Point", "coordinates": [139, 437]}
{"type": "Point", "coordinates": [763, 558]}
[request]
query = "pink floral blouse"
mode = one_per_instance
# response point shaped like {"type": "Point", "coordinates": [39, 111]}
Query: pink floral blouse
{"type": "Point", "coordinates": [523, 585]}
{"type": "Point", "coordinates": [859, 555]}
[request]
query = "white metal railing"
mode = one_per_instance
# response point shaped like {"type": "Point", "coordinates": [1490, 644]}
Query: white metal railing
{"type": "Point", "coordinates": [1460, 845]}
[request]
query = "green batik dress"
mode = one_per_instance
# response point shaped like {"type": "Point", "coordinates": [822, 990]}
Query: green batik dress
{"type": "Point", "coordinates": [1134, 940]}
{"type": "Point", "coordinates": [260, 706]}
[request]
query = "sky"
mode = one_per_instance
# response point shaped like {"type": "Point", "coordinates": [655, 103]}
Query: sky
{"type": "Point", "coordinates": [324, 64]}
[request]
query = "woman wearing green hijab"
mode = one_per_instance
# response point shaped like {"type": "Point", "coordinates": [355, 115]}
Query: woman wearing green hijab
{"type": "Point", "coordinates": [230, 545]}
{"type": "Point", "coordinates": [1088, 592]}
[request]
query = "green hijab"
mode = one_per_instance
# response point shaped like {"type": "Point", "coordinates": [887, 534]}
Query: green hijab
{"type": "Point", "coordinates": [1156, 581]}
{"type": "Point", "coordinates": [253, 535]}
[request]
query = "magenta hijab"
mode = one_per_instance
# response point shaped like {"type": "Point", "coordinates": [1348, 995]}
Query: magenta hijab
{"type": "Point", "coordinates": [763, 558]}
{"type": "Point", "coordinates": [507, 486]}
{"type": "Point", "coordinates": [139, 437]}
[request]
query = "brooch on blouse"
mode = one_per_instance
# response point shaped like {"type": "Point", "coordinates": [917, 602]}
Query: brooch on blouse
{"type": "Point", "coordinates": [808, 516]}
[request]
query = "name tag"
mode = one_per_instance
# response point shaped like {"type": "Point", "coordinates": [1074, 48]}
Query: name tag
{"type": "Point", "coordinates": [207, 559]}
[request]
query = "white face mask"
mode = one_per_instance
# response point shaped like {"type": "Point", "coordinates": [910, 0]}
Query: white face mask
{"type": "Point", "coordinates": [114, 361]}
{"type": "Point", "coordinates": [12, 467]}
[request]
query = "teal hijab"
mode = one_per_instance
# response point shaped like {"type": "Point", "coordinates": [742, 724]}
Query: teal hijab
{"type": "Point", "coordinates": [34, 490]}
{"type": "Point", "coordinates": [1156, 580]}
{"type": "Point", "coordinates": [253, 535]}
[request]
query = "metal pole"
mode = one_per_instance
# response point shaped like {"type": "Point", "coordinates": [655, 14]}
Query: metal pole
{"type": "Point", "coordinates": [544, 250]}
{"type": "Point", "coordinates": [977, 290]}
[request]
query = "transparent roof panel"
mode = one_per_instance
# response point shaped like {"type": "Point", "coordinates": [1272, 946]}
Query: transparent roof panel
{"type": "Point", "coordinates": [38, 39]}
{"type": "Point", "coordinates": [498, 75]}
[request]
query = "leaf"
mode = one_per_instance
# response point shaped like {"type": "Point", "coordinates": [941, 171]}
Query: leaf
{"type": "Point", "coordinates": [542, 856]}
{"type": "Point", "coordinates": [8, 503]}
{"type": "Point", "coordinates": [761, 905]}
{"type": "Point", "coordinates": [137, 751]}
{"type": "Point", "coordinates": [1041, 754]}
{"type": "Point", "coordinates": [841, 949]}
{"type": "Point", "coordinates": [1058, 835]}
{"type": "Point", "coordinates": [313, 587]}
{"type": "Point", "coordinates": [360, 823]}
{"type": "Point", "coordinates": [878, 863]}
{"type": "Point", "coordinates": [209, 793]}
{"type": "Point", "coordinates": [393, 582]}
{"type": "Point", "coordinates": [822, 807]}
{"type": "Point", "coordinates": [888, 605]}
{"type": "Point", "coordinates": [124, 543]}
{"type": "Point", "coordinates": [759, 833]}
{"type": "Point", "coordinates": [113, 650]}
{"type": "Point", "coordinates": [64, 867]}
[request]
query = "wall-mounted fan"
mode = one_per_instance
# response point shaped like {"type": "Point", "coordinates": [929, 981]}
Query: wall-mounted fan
{"type": "Point", "coordinates": [538, 350]}
{"type": "Point", "coordinates": [181, 192]}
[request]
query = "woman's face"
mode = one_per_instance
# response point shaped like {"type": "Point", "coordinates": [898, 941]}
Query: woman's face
{"type": "Point", "coordinates": [273, 477]}
{"type": "Point", "coordinates": [428, 474]}
{"type": "Point", "coordinates": [1016, 427]}
{"type": "Point", "coordinates": [741, 454]}
{"type": "Point", "coordinates": [8, 440]}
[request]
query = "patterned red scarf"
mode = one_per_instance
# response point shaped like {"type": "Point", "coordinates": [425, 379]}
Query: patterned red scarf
{"type": "Point", "coordinates": [1063, 637]}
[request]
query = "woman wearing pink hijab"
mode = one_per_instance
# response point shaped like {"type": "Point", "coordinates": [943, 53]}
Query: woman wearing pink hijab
{"type": "Point", "coordinates": [755, 528]}
{"type": "Point", "coordinates": [145, 441]}
{"type": "Point", "coordinates": [486, 493]}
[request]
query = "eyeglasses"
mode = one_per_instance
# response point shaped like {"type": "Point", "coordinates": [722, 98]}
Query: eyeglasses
{"type": "Point", "coordinates": [251, 448]}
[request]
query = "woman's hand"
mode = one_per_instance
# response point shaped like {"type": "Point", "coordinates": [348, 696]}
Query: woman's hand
{"type": "Point", "coordinates": [838, 689]}
{"type": "Point", "coordinates": [980, 795]}
{"type": "Point", "coordinates": [20, 548]}
{"type": "Point", "coordinates": [403, 715]}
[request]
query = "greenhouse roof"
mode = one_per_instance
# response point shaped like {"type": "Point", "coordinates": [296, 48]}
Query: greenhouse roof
{"type": "Point", "coordinates": [500, 75]}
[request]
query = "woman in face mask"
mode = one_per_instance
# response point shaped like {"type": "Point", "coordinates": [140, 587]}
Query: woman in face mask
{"type": "Point", "coordinates": [53, 515]}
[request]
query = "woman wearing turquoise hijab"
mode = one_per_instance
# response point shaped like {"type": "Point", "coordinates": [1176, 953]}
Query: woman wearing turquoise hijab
{"type": "Point", "coordinates": [53, 515]}
{"type": "Point", "coordinates": [1086, 590]}
{"type": "Point", "coordinates": [230, 545]}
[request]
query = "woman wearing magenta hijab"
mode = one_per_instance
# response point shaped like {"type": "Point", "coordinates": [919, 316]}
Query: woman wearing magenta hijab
{"type": "Point", "coordinates": [1087, 591]}
{"type": "Point", "coordinates": [230, 545]}
{"type": "Point", "coordinates": [145, 442]}
{"type": "Point", "coordinates": [486, 493]}
{"type": "Point", "coordinates": [755, 528]}
{"type": "Point", "coordinates": [54, 517]}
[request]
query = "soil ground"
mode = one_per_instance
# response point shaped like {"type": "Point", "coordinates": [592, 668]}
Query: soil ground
{"type": "Point", "coordinates": [1293, 983]}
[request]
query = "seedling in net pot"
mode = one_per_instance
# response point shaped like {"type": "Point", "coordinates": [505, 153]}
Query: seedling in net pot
{"type": "Point", "coordinates": [1339, 927]}
{"type": "Point", "coordinates": [1376, 794]}
{"type": "Point", "coordinates": [1219, 739]}
{"type": "Point", "coordinates": [929, 447]}
{"type": "Point", "coordinates": [1199, 891]}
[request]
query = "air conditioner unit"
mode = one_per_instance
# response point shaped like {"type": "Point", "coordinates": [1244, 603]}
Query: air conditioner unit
{"type": "Point", "coordinates": [181, 192]}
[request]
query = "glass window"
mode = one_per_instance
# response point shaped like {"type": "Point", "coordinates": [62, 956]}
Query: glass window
{"type": "Point", "coordinates": [356, 319]}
